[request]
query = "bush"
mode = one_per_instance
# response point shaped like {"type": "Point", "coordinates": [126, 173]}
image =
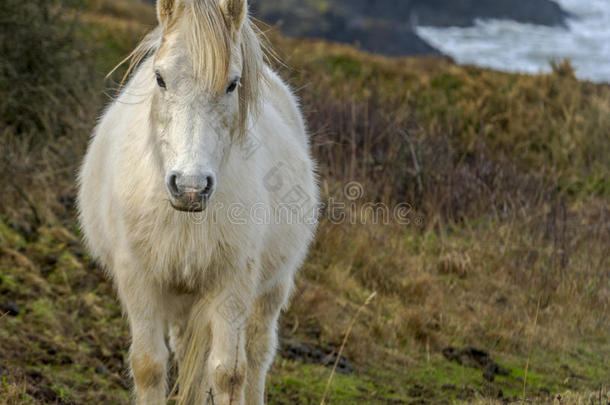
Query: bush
{"type": "Point", "coordinates": [43, 69]}
{"type": "Point", "coordinates": [47, 103]}
{"type": "Point", "coordinates": [458, 142]}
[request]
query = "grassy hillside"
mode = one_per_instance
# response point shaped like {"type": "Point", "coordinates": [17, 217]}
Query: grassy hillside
{"type": "Point", "coordinates": [494, 283]}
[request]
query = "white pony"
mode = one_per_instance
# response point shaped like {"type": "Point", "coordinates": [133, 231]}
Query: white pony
{"type": "Point", "coordinates": [198, 196]}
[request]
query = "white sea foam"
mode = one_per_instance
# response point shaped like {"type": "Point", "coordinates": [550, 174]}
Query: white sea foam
{"type": "Point", "coordinates": [511, 46]}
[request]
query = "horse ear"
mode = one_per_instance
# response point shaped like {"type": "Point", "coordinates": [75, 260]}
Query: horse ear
{"type": "Point", "coordinates": [235, 11]}
{"type": "Point", "coordinates": [165, 11]}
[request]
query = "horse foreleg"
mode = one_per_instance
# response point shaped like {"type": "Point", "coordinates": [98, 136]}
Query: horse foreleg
{"type": "Point", "coordinates": [261, 338]}
{"type": "Point", "coordinates": [227, 362]}
{"type": "Point", "coordinates": [148, 353]}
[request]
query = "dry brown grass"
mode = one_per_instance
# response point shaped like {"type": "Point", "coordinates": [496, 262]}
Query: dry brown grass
{"type": "Point", "coordinates": [48, 104]}
{"type": "Point", "coordinates": [13, 394]}
{"type": "Point", "coordinates": [52, 91]}
{"type": "Point", "coordinates": [133, 11]}
{"type": "Point", "coordinates": [507, 176]}
{"type": "Point", "coordinates": [477, 286]}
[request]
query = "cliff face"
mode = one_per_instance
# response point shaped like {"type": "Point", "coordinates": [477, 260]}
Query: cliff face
{"type": "Point", "coordinates": [385, 26]}
{"type": "Point", "coordinates": [337, 24]}
{"type": "Point", "coordinates": [461, 13]}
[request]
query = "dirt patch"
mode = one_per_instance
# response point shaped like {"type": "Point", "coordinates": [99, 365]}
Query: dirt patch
{"type": "Point", "coordinates": [477, 358]}
{"type": "Point", "coordinates": [296, 350]}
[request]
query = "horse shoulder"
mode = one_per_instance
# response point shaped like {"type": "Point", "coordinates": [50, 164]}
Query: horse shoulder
{"type": "Point", "coordinates": [98, 174]}
{"type": "Point", "coordinates": [286, 103]}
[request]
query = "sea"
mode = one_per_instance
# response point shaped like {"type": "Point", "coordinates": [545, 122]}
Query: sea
{"type": "Point", "coordinates": [516, 47]}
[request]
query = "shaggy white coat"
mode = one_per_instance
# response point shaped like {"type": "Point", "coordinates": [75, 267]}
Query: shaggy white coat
{"type": "Point", "coordinates": [215, 281]}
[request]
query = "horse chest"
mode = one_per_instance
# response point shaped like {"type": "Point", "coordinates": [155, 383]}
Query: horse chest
{"type": "Point", "coordinates": [177, 254]}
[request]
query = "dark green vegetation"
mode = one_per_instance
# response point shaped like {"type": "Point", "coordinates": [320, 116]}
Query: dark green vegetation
{"type": "Point", "coordinates": [506, 251]}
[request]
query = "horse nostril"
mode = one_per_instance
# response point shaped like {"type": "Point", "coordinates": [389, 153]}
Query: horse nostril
{"type": "Point", "coordinates": [172, 184]}
{"type": "Point", "coordinates": [209, 186]}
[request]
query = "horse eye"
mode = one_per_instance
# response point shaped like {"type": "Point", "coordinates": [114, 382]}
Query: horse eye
{"type": "Point", "coordinates": [233, 86]}
{"type": "Point", "coordinates": [160, 80]}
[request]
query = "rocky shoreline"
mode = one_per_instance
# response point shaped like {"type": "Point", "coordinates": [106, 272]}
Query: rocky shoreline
{"type": "Point", "coordinates": [387, 26]}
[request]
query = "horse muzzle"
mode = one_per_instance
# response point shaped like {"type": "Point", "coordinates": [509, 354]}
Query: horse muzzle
{"type": "Point", "coordinates": [190, 193]}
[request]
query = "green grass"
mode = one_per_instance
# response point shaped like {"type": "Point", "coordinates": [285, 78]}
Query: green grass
{"type": "Point", "coordinates": [470, 275]}
{"type": "Point", "coordinates": [437, 381]}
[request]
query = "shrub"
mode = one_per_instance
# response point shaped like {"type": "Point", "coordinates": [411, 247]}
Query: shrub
{"type": "Point", "coordinates": [47, 100]}
{"type": "Point", "coordinates": [42, 74]}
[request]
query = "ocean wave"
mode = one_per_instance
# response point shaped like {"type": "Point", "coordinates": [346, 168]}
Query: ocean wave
{"type": "Point", "coordinates": [517, 47]}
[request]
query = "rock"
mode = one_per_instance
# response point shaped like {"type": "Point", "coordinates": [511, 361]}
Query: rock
{"type": "Point", "coordinates": [464, 13]}
{"type": "Point", "coordinates": [10, 308]}
{"type": "Point", "coordinates": [393, 42]}
{"type": "Point", "coordinates": [340, 24]}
